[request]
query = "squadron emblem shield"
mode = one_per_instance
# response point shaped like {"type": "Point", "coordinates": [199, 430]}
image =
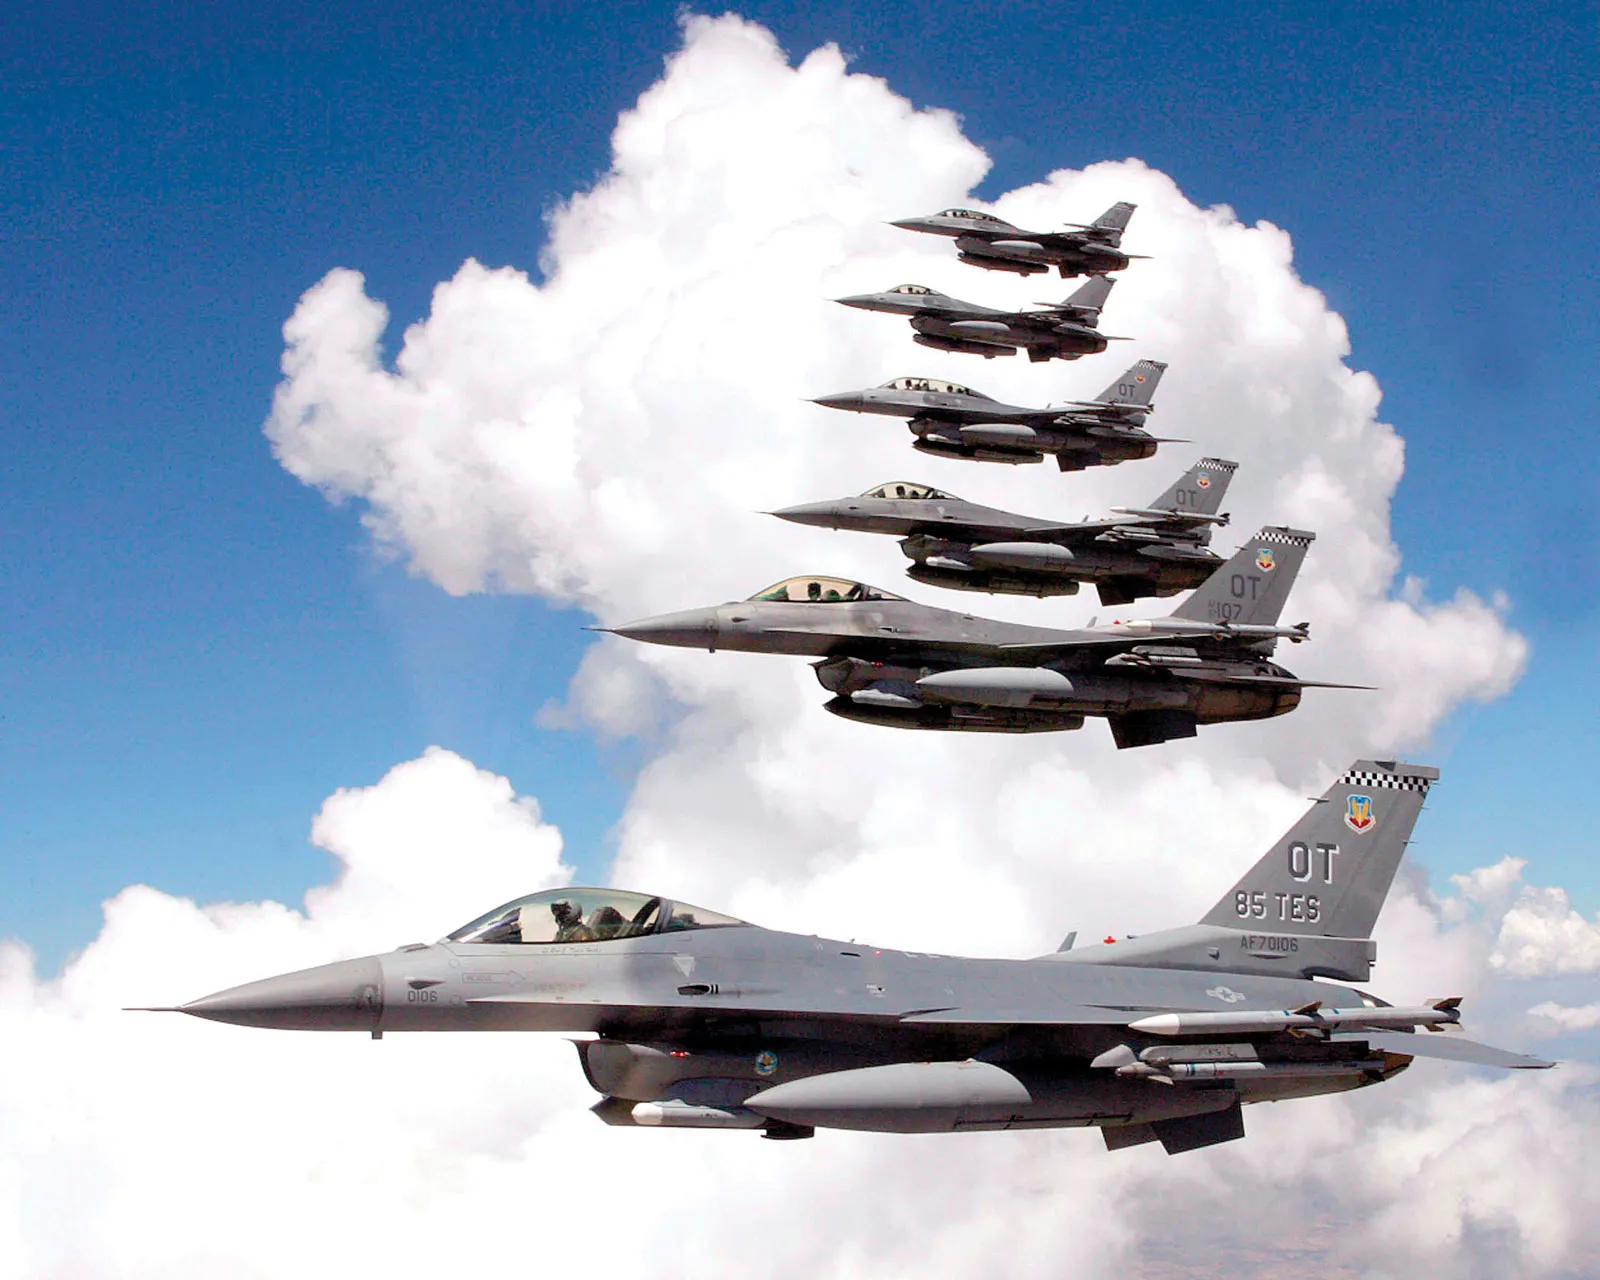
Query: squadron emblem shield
{"type": "Point", "coordinates": [766, 1062]}
{"type": "Point", "coordinates": [1204, 481]}
{"type": "Point", "coordinates": [1358, 814]}
{"type": "Point", "coordinates": [1266, 561]}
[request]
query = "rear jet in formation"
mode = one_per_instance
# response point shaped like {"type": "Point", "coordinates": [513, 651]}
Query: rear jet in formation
{"type": "Point", "coordinates": [953, 421]}
{"type": "Point", "coordinates": [1157, 550]}
{"type": "Point", "coordinates": [987, 241]}
{"type": "Point", "coordinates": [1056, 331]}
{"type": "Point", "coordinates": [703, 1021]}
{"type": "Point", "coordinates": [889, 661]}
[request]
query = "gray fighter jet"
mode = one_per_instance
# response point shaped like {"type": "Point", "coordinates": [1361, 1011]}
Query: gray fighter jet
{"type": "Point", "coordinates": [889, 661]}
{"type": "Point", "coordinates": [953, 421]}
{"type": "Point", "coordinates": [1157, 550]}
{"type": "Point", "coordinates": [1056, 331]}
{"type": "Point", "coordinates": [987, 241]}
{"type": "Point", "coordinates": [704, 1021]}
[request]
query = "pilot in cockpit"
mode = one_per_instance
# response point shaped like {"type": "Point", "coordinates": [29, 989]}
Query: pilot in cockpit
{"type": "Point", "coordinates": [569, 923]}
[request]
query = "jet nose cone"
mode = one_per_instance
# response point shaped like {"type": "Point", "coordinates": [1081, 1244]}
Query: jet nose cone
{"type": "Point", "coordinates": [822, 514]}
{"type": "Point", "coordinates": [840, 400]}
{"type": "Point", "coordinates": [691, 629]}
{"type": "Point", "coordinates": [861, 301]}
{"type": "Point", "coordinates": [346, 996]}
{"type": "Point", "coordinates": [910, 224]}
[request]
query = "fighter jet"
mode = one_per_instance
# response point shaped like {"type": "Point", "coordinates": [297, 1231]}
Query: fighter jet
{"type": "Point", "coordinates": [987, 241]}
{"type": "Point", "coordinates": [1056, 331]}
{"type": "Point", "coordinates": [953, 421]}
{"type": "Point", "coordinates": [699, 1020]}
{"type": "Point", "coordinates": [889, 661]}
{"type": "Point", "coordinates": [1157, 550]}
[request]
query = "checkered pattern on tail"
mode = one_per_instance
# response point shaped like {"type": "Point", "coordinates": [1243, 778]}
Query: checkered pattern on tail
{"type": "Point", "coordinates": [1286, 537]}
{"type": "Point", "coordinates": [1368, 778]}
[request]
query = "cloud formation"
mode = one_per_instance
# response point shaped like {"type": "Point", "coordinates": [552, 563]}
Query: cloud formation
{"type": "Point", "coordinates": [603, 437]}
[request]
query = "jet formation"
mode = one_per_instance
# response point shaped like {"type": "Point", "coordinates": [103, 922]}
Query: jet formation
{"type": "Point", "coordinates": [699, 1020]}
{"type": "Point", "coordinates": [889, 661]}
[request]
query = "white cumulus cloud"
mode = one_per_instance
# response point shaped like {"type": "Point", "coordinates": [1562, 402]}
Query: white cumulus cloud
{"type": "Point", "coordinates": [1565, 1017]}
{"type": "Point", "coordinates": [1543, 933]}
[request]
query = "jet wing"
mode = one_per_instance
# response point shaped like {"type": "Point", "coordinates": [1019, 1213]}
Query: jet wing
{"type": "Point", "coordinates": [1071, 1016]}
{"type": "Point", "coordinates": [1449, 1047]}
{"type": "Point", "coordinates": [1176, 520]}
{"type": "Point", "coordinates": [991, 529]}
{"type": "Point", "coordinates": [1104, 640]}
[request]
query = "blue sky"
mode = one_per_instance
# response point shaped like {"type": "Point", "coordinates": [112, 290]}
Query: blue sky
{"type": "Point", "coordinates": [198, 650]}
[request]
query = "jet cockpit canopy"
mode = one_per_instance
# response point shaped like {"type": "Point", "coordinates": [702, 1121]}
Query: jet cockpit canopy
{"type": "Point", "coordinates": [819, 590]}
{"type": "Point", "coordinates": [586, 915]}
{"type": "Point", "coordinates": [975, 215]}
{"type": "Point", "coordinates": [932, 384]}
{"type": "Point", "coordinates": [905, 489]}
{"type": "Point", "coordinates": [918, 289]}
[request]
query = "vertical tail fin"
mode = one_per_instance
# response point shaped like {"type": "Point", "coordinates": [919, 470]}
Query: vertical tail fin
{"type": "Point", "coordinates": [1113, 222]}
{"type": "Point", "coordinates": [1253, 586]}
{"type": "Point", "coordinates": [1330, 872]}
{"type": "Point", "coordinates": [1091, 297]}
{"type": "Point", "coordinates": [1135, 388]}
{"type": "Point", "coordinates": [1200, 489]}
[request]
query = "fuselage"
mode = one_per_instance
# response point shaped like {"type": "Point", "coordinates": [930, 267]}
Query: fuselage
{"type": "Point", "coordinates": [989, 242]}
{"type": "Point", "coordinates": [959, 544]}
{"type": "Point", "coordinates": [964, 424]}
{"type": "Point", "coordinates": [703, 1020]}
{"type": "Point", "coordinates": [949, 324]}
{"type": "Point", "coordinates": [896, 663]}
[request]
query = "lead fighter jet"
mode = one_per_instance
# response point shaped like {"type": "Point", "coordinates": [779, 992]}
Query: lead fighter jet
{"type": "Point", "coordinates": [889, 661]}
{"type": "Point", "coordinates": [1060, 331]}
{"type": "Point", "coordinates": [703, 1021]}
{"type": "Point", "coordinates": [1157, 550]}
{"type": "Point", "coordinates": [987, 241]}
{"type": "Point", "coordinates": [953, 421]}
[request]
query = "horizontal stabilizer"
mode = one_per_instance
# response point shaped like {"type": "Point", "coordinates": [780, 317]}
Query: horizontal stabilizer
{"type": "Point", "coordinates": [1451, 1048]}
{"type": "Point", "coordinates": [1292, 682]}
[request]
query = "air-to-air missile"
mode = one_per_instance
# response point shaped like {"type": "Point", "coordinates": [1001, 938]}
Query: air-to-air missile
{"type": "Point", "coordinates": [953, 421]}
{"type": "Point", "coordinates": [987, 241]}
{"type": "Point", "coordinates": [892, 662]}
{"type": "Point", "coordinates": [1055, 331]}
{"type": "Point", "coordinates": [700, 1020]}
{"type": "Point", "coordinates": [1157, 550]}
